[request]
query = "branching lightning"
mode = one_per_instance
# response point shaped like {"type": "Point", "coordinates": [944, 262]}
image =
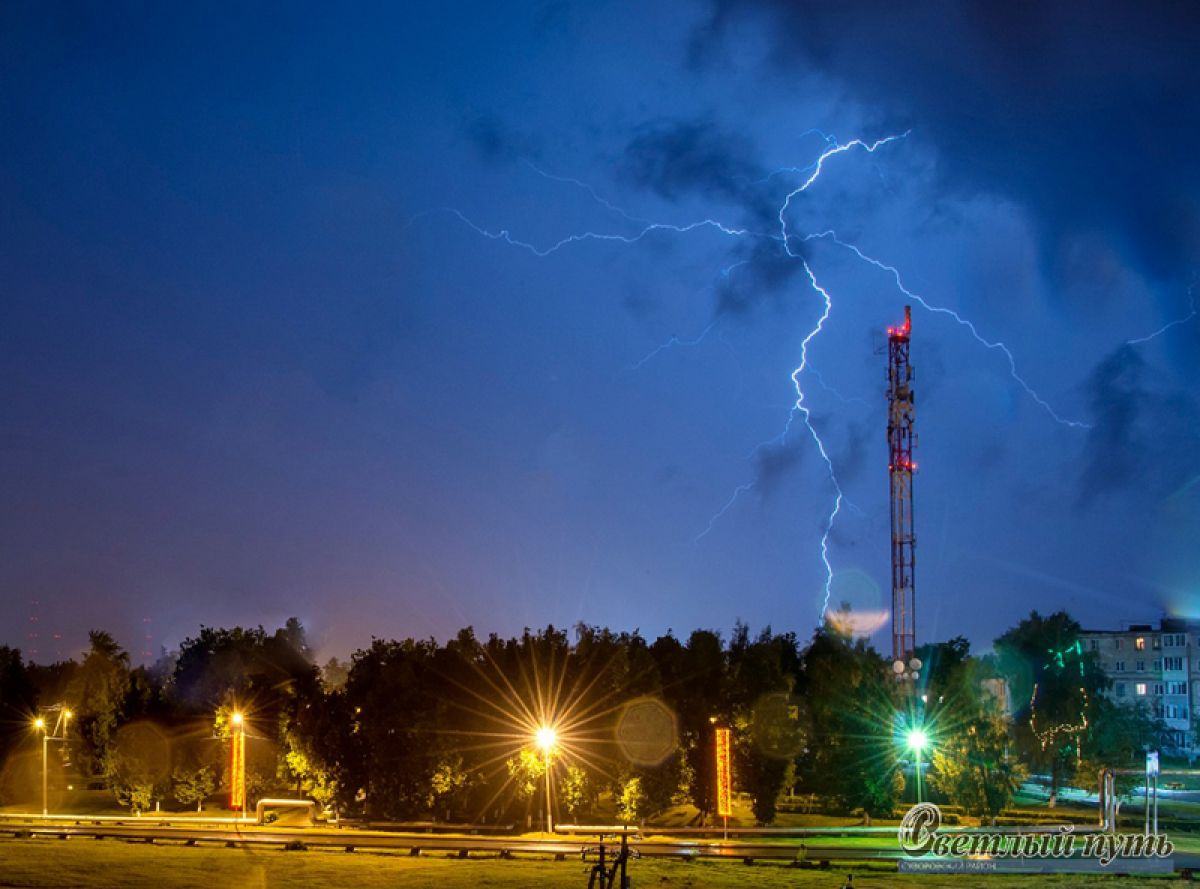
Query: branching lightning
{"type": "Point", "coordinates": [964, 322]}
{"type": "Point", "coordinates": [603, 202]}
{"type": "Point", "coordinates": [1177, 322]}
{"type": "Point", "coordinates": [845, 399]}
{"type": "Point", "coordinates": [819, 165]}
{"type": "Point", "coordinates": [800, 407]}
{"type": "Point", "coordinates": [716, 516]}
{"type": "Point", "coordinates": [671, 343]}
{"type": "Point", "coordinates": [803, 409]}
{"type": "Point", "coordinates": [812, 173]}
{"type": "Point", "coordinates": [542, 252]}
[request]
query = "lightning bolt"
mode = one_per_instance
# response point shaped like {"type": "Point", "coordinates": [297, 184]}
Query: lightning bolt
{"type": "Point", "coordinates": [542, 252]}
{"type": "Point", "coordinates": [802, 408]}
{"type": "Point", "coordinates": [1178, 321]}
{"type": "Point", "coordinates": [603, 202]}
{"type": "Point", "coordinates": [671, 343]}
{"type": "Point", "coordinates": [807, 168]}
{"type": "Point", "coordinates": [819, 165]}
{"type": "Point", "coordinates": [812, 173]}
{"type": "Point", "coordinates": [995, 345]}
{"type": "Point", "coordinates": [737, 492]}
{"type": "Point", "coordinates": [834, 392]}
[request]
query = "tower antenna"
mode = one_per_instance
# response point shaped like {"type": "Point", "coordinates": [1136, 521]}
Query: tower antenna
{"type": "Point", "coordinates": [901, 439]}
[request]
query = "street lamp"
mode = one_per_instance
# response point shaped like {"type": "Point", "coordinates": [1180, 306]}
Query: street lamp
{"type": "Point", "coordinates": [237, 763]}
{"type": "Point", "coordinates": [545, 738]}
{"type": "Point", "coordinates": [39, 724]}
{"type": "Point", "coordinates": [916, 740]}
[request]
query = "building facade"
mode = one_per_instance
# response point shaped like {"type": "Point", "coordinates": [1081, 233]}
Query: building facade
{"type": "Point", "coordinates": [1158, 666]}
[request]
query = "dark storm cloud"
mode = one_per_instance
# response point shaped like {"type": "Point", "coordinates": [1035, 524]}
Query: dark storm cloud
{"type": "Point", "coordinates": [1115, 397]}
{"type": "Point", "coordinates": [773, 464]}
{"type": "Point", "coordinates": [755, 275]}
{"type": "Point", "coordinates": [1082, 112]}
{"type": "Point", "coordinates": [640, 303]}
{"type": "Point", "coordinates": [1139, 437]}
{"type": "Point", "coordinates": [851, 458]}
{"type": "Point", "coordinates": [494, 141]}
{"type": "Point", "coordinates": [697, 158]}
{"type": "Point", "coordinates": [675, 159]}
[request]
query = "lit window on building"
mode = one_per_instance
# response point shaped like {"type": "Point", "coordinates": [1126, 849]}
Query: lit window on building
{"type": "Point", "coordinates": [1140, 688]}
{"type": "Point", "coordinates": [1140, 643]}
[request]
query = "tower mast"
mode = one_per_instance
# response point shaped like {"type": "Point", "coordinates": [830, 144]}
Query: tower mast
{"type": "Point", "coordinates": [900, 469]}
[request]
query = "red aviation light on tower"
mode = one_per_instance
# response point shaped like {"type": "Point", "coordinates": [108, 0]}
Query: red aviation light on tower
{"type": "Point", "coordinates": [903, 331]}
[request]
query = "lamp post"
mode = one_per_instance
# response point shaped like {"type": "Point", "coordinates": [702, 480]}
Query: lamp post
{"type": "Point", "coordinates": [64, 717]}
{"type": "Point", "coordinates": [40, 725]}
{"type": "Point", "coordinates": [237, 763]}
{"type": "Point", "coordinates": [916, 740]}
{"type": "Point", "coordinates": [546, 738]}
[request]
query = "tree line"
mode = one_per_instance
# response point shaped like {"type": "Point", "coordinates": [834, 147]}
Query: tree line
{"type": "Point", "coordinates": [416, 729]}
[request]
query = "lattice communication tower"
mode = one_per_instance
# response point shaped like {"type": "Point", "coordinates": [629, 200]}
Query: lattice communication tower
{"type": "Point", "coordinates": [901, 439]}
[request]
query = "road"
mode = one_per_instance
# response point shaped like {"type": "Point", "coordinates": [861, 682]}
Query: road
{"type": "Point", "coordinates": [245, 835]}
{"type": "Point", "coordinates": [150, 830]}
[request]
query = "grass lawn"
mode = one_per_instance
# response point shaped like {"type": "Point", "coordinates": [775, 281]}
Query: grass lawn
{"type": "Point", "coordinates": [114, 864]}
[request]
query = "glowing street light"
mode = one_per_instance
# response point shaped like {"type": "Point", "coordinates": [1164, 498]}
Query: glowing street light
{"type": "Point", "coordinates": [40, 725]}
{"type": "Point", "coordinates": [48, 735]}
{"type": "Point", "coordinates": [237, 762]}
{"type": "Point", "coordinates": [546, 738]}
{"type": "Point", "coordinates": [917, 740]}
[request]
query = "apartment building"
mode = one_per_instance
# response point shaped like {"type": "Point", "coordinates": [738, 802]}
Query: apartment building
{"type": "Point", "coordinates": [1160, 666]}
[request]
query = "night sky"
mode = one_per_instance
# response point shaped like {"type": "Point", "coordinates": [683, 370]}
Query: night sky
{"type": "Point", "coordinates": [285, 329]}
